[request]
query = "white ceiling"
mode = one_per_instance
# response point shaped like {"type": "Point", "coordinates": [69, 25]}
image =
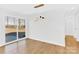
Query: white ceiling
{"type": "Point", "coordinates": [25, 8]}
{"type": "Point", "coordinates": [29, 8]}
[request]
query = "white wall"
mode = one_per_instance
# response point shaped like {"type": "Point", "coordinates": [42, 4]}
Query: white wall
{"type": "Point", "coordinates": [69, 23]}
{"type": "Point", "coordinates": [72, 23]}
{"type": "Point", "coordinates": [51, 31]}
{"type": "Point", "coordinates": [76, 24]}
{"type": "Point", "coordinates": [2, 28]}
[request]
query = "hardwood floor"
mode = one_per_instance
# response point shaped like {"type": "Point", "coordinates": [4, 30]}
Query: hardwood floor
{"type": "Point", "coordinates": [13, 29]}
{"type": "Point", "coordinates": [30, 46]}
{"type": "Point", "coordinates": [36, 47]}
{"type": "Point", "coordinates": [71, 44]}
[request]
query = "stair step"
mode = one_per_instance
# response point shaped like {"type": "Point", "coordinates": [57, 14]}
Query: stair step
{"type": "Point", "coordinates": [71, 44]}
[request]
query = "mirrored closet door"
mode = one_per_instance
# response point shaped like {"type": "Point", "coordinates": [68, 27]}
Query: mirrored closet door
{"type": "Point", "coordinates": [14, 28]}
{"type": "Point", "coordinates": [21, 28]}
{"type": "Point", "coordinates": [10, 29]}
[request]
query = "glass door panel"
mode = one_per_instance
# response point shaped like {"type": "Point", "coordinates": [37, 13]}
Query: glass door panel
{"type": "Point", "coordinates": [21, 28]}
{"type": "Point", "coordinates": [10, 29]}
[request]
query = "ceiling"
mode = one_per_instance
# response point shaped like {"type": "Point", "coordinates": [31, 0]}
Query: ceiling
{"type": "Point", "coordinates": [29, 8]}
{"type": "Point", "coordinates": [25, 8]}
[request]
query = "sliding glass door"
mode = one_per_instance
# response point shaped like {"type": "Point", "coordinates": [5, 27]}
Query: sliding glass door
{"type": "Point", "coordinates": [21, 28]}
{"type": "Point", "coordinates": [14, 28]}
{"type": "Point", "coordinates": [10, 29]}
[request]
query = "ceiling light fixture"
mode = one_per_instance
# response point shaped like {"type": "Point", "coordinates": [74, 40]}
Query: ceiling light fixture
{"type": "Point", "coordinates": [40, 5]}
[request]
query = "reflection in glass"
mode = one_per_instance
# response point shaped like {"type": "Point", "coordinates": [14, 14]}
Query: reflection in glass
{"type": "Point", "coordinates": [21, 28]}
{"type": "Point", "coordinates": [10, 27]}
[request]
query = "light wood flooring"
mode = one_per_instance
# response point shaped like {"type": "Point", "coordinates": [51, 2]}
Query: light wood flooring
{"type": "Point", "coordinates": [12, 29]}
{"type": "Point", "coordinates": [30, 46]}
